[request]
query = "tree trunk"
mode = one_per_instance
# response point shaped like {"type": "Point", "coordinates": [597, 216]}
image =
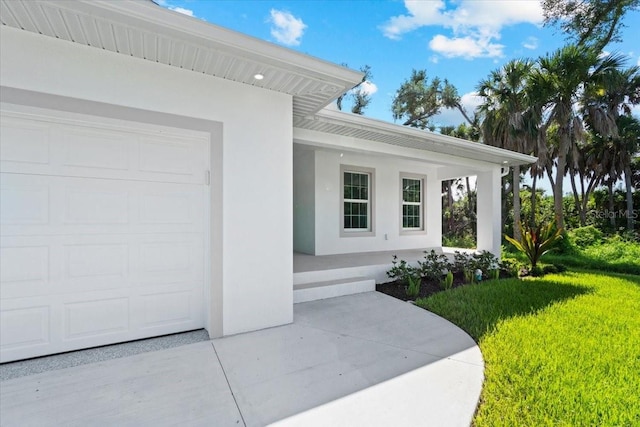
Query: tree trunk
{"type": "Point", "coordinates": [630, 212]}
{"type": "Point", "coordinates": [612, 216]}
{"type": "Point", "coordinates": [517, 230]}
{"type": "Point", "coordinates": [576, 199]}
{"type": "Point", "coordinates": [557, 189]}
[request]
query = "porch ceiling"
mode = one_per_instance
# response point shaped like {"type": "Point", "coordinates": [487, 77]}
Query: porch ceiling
{"type": "Point", "coordinates": [144, 30]}
{"type": "Point", "coordinates": [355, 126]}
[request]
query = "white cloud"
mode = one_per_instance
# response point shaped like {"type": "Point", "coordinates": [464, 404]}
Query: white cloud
{"type": "Point", "coordinates": [530, 43]}
{"type": "Point", "coordinates": [638, 64]}
{"type": "Point", "coordinates": [421, 13]}
{"type": "Point", "coordinates": [369, 87]}
{"type": "Point", "coordinates": [475, 25]}
{"type": "Point", "coordinates": [182, 10]}
{"type": "Point", "coordinates": [286, 28]}
{"type": "Point", "coordinates": [434, 59]}
{"type": "Point", "coordinates": [466, 47]}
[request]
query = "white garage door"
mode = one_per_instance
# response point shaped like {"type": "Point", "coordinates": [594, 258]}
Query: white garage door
{"type": "Point", "coordinates": [102, 231]}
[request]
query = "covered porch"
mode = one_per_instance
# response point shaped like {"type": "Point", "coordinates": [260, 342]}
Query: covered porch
{"type": "Point", "coordinates": [365, 190]}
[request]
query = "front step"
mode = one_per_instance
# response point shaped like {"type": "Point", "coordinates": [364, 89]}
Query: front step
{"type": "Point", "coordinates": [332, 288]}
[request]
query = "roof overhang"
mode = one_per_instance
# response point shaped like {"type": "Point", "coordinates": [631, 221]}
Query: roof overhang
{"type": "Point", "coordinates": [364, 128]}
{"type": "Point", "coordinates": [142, 29]}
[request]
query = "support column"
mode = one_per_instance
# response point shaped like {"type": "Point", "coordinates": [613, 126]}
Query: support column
{"type": "Point", "coordinates": [489, 214]}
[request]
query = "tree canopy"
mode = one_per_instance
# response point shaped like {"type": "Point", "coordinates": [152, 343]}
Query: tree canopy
{"type": "Point", "coordinates": [589, 22]}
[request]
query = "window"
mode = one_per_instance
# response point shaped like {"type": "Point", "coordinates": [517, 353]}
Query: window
{"type": "Point", "coordinates": [357, 196]}
{"type": "Point", "coordinates": [412, 203]}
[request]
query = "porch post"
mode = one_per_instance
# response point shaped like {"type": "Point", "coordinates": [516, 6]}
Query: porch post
{"type": "Point", "coordinates": [489, 215]}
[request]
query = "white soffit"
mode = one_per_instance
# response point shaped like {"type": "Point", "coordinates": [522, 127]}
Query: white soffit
{"type": "Point", "coordinates": [142, 29]}
{"type": "Point", "coordinates": [355, 126]}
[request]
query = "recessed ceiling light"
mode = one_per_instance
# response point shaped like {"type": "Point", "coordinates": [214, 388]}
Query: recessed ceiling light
{"type": "Point", "coordinates": [258, 76]}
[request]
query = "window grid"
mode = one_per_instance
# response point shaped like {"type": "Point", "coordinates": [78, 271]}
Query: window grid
{"type": "Point", "coordinates": [411, 204]}
{"type": "Point", "coordinates": [356, 201]}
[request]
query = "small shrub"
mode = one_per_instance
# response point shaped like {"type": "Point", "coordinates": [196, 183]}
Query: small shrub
{"type": "Point", "coordinates": [401, 271]}
{"type": "Point", "coordinates": [511, 266]}
{"type": "Point", "coordinates": [461, 261]}
{"type": "Point", "coordinates": [586, 236]}
{"type": "Point", "coordinates": [536, 271]}
{"type": "Point", "coordinates": [447, 283]}
{"type": "Point", "coordinates": [413, 287]}
{"type": "Point", "coordinates": [485, 261]}
{"type": "Point", "coordinates": [549, 269]}
{"type": "Point", "coordinates": [536, 241]}
{"type": "Point", "coordinates": [494, 274]}
{"type": "Point", "coordinates": [434, 265]}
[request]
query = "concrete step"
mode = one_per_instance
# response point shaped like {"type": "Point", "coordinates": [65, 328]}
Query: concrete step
{"type": "Point", "coordinates": [375, 272]}
{"type": "Point", "coordinates": [332, 288]}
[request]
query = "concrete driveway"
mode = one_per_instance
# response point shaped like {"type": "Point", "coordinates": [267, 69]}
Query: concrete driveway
{"type": "Point", "coordinates": [359, 360]}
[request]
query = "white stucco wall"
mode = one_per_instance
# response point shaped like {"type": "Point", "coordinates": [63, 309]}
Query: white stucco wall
{"type": "Point", "coordinates": [489, 211]}
{"type": "Point", "coordinates": [386, 215]}
{"type": "Point", "coordinates": [255, 281]}
{"type": "Point", "coordinates": [304, 200]}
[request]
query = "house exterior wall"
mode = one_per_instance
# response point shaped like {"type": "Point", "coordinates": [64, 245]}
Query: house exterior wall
{"type": "Point", "coordinates": [387, 233]}
{"type": "Point", "coordinates": [304, 201]}
{"type": "Point", "coordinates": [252, 287]}
{"type": "Point", "coordinates": [489, 211]}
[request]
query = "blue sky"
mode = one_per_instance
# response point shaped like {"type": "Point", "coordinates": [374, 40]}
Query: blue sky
{"type": "Point", "coordinates": [461, 40]}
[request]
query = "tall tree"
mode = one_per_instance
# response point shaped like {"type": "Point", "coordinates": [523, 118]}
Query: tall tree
{"type": "Point", "coordinates": [506, 119]}
{"type": "Point", "coordinates": [592, 23]}
{"type": "Point", "coordinates": [555, 86]}
{"type": "Point", "coordinates": [610, 100]}
{"type": "Point", "coordinates": [629, 143]}
{"type": "Point", "coordinates": [418, 100]}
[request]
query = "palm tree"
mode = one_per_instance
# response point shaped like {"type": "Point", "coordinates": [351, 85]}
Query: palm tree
{"type": "Point", "coordinates": [556, 86]}
{"type": "Point", "coordinates": [506, 119]}
{"type": "Point", "coordinates": [610, 99]}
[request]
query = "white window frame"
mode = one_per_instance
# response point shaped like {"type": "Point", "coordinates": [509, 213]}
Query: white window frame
{"type": "Point", "coordinates": [358, 232]}
{"type": "Point", "coordinates": [423, 181]}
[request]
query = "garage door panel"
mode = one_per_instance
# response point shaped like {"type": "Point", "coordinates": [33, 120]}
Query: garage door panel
{"type": "Point", "coordinates": [169, 155]}
{"type": "Point", "coordinates": [92, 319]}
{"type": "Point", "coordinates": [86, 205]}
{"type": "Point", "coordinates": [25, 329]}
{"type": "Point", "coordinates": [49, 205]}
{"type": "Point", "coordinates": [169, 308]}
{"type": "Point", "coordinates": [23, 204]}
{"type": "Point", "coordinates": [24, 142]}
{"type": "Point", "coordinates": [97, 150]}
{"type": "Point", "coordinates": [102, 233]}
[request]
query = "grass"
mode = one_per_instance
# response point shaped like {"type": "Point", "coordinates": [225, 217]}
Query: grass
{"type": "Point", "coordinates": [615, 254]}
{"type": "Point", "coordinates": [562, 350]}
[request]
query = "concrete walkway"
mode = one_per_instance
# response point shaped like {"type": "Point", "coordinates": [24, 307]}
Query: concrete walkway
{"type": "Point", "coordinates": [359, 360]}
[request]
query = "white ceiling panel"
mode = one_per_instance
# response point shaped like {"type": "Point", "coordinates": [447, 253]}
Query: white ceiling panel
{"type": "Point", "coordinates": [144, 30]}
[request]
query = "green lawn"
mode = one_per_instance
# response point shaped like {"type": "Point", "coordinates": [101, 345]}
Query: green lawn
{"type": "Point", "coordinates": [562, 350]}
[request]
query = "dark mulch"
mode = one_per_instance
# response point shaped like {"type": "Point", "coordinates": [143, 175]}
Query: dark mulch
{"type": "Point", "coordinates": [427, 287]}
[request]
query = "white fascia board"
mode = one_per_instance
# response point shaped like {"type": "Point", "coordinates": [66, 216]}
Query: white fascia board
{"type": "Point", "coordinates": [170, 23]}
{"type": "Point", "coordinates": [436, 143]}
{"type": "Point", "coordinates": [329, 141]}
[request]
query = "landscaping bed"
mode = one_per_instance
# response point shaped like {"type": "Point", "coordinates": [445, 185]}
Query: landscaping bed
{"type": "Point", "coordinates": [397, 289]}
